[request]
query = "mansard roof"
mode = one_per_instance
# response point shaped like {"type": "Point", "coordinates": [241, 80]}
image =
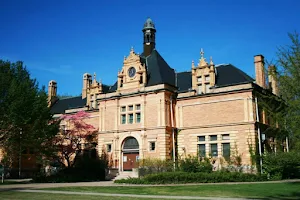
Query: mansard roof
{"type": "Point", "coordinates": [226, 74]}
{"type": "Point", "coordinates": [68, 103]}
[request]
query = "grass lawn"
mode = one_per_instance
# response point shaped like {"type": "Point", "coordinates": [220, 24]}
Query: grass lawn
{"type": "Point", "coordinates": [40, 196]}
{"type": "Point", "coordinates": [259, 190]}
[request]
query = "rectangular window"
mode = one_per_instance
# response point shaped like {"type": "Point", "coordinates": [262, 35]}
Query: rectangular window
{"type": "Point", "coordinates": [130, 118]}
{"type": "Point", "coordinates": [207, 86]}
{"type": "Point", "coordinates": [152, 146]}
{"type": "Point", "coordinates": [138, 117]}
{"type": "Point", "coordinates": [207, 78]}
{"type": "Point", "coordinates": [96, 105]}
{"type": "Point", "coordinates": [201, 138]}
{"type": "Point", "coordinates": [199, 79]}
{"type": "Point", "coordinates": [138, 107]}
{"type": "Point", "coordinates": [201, 150]}
{"type": "Point", "coordinates": [226, 150]}
{"type": "Point", "coordinates": [130, 108]}
{"type": "Point", "coordinates": [214, 150]}
{"type": "Point", "coordinates": [225, 137]}
{"type": "Point", "coordinates": [199, 89]}
{"type": "Point", "coordinates": [123, 108]}
{"type": "Point", "coordinates": [123, 119]}
{"type": "Point", "coordinates": [108, 147]}
{"type": "Point", "coordinates": [213, 137]}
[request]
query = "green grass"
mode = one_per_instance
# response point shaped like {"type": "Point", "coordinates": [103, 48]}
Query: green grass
{"type": "Point", "coordinates": [259, 190]}
{"type": "Point", "coordinates": [40, 196]}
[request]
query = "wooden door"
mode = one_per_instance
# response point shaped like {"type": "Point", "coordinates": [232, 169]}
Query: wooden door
{"type": "Point", "coordinates": [130, 161]}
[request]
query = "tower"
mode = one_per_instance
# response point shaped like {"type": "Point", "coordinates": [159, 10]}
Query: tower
{"type": "Point", "coordinates": [149, 37]}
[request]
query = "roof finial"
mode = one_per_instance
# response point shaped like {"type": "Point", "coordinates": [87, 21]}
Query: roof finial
{"type": "Point", "coordinates": [193, 64]}
{"type": "Point", "coordinates": [100, 81]}
{"type": "Point", "coordinates": [94, 75]}
{"type": "Point", "coordinates": [211, 60]}
{"type": "Point", "coordinates": [202, 53]}
{"type": "Point", "coordinates": [131, 50]}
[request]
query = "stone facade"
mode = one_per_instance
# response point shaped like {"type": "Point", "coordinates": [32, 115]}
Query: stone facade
{"type": "Point", "coordinates": [210, 108]}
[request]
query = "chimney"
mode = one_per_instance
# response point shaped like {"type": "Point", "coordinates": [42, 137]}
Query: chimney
{"type": "Point", "coordinates": [87, 81]}
{"type": "Point", "coordinates": [52, 91]}
{"type": "Point", "coordinates": [273, 79]}
{"type": "Point", "coordinates": [260, 71]}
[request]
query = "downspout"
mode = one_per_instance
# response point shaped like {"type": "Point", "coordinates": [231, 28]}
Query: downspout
{"type": "Point", "coordinates": [173, 133]}
{"type": "Point", "coordinates": [258, 135]}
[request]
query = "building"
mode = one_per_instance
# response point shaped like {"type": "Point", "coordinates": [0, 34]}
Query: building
{"type": "Point", "coordinates": [209, 110]}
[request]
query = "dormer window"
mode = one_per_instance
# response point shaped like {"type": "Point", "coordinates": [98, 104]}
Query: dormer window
{"type": "Point", "coordinates": [199, 79]}
{"type": "Point", "coordinates": [207, 78]}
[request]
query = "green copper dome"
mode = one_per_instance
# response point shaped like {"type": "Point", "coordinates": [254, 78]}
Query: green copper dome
{"type": "Point", "coordinates": [149, 24]}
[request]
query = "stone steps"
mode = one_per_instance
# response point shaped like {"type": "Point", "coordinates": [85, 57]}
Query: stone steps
{"type": "Point", "coordinates": [126, 175]}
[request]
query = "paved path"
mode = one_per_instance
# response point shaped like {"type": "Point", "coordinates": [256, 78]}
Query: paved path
{"type": "Point", "coordinates": [128, 195]}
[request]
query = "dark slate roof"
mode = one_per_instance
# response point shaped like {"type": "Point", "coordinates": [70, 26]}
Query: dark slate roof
{"type": "Point", "coordinates": [158, 70]}
{"type": "Point", "coordinates": [226, 74]}
{"type": "Point", "coordinates": [61, 105]}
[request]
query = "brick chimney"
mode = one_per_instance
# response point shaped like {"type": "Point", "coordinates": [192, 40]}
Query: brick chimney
{"type": "Point", "coordinates": [52, 91]}
{"type": "Point", "coordinates": [273, 79]}
{"type": "Point", "coordinates": [260, 71]}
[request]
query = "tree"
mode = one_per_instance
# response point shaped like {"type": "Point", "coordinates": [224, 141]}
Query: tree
{"type": "Point", "coordinates": [73, 134]}
{"type": "Point", "coordinates": [25, 118]}
{"type": "Point", "coordinates": [289, 87]}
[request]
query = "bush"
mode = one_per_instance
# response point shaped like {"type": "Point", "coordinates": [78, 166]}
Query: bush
{"type": "Point", "coordinates": [85, 169]}
{"type": "Point", "coordinates": [152, 166]}
{"type": "Point", "coordinates": [201, 177]}
{"type": "Point", "coordinates": [283, 165]}
{"type": "Point", "coordinates": [195, 164]}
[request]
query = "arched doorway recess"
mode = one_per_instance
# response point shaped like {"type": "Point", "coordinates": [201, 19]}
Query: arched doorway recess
{"type": "Point", "coordinates": [130, 151]}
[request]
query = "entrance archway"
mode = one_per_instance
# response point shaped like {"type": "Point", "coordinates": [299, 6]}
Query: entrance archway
{"type": "Point", "coordinates": [130, 152]}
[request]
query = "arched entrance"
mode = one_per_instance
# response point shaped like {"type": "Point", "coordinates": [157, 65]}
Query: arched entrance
{"type": "Point", "coordinates": [130, 153]}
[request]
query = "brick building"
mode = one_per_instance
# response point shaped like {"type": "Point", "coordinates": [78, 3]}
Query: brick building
{"type": "Point", "coordinates": [208, 110]}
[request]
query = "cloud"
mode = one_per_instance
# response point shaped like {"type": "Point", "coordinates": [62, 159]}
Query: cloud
{"type": "Point", "coordinates": [61, 69]}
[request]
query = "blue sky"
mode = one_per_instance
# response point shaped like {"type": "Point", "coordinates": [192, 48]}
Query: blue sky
{"type": "Point", "coordinates": [62, 39]}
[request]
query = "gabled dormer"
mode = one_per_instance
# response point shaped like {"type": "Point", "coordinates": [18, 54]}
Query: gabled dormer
{"type": "Point", "coordinates": [203, 75]}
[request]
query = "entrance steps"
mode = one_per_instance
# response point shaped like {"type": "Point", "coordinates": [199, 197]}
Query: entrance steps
{"type": "Point", "coordinates": [126, 175]}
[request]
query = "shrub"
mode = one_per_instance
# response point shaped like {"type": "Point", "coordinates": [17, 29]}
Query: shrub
{"type": "Point", "coordinates": [283, 165]}
{"type": "Point", "coordinates": [201, 177]}
{"type": "Point", "coordinates": [153, 165]}
{"type": "Point", "coordinates": [195, 164]}
{"type": "Point", "coordinates": [85, 169]}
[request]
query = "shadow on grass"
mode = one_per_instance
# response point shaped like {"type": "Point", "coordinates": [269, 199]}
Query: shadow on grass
{"type": "Point", "coordinates": [293, 195]}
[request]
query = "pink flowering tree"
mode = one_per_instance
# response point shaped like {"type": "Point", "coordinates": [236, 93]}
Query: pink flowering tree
{"type": "Point", "coordinates": [71, 137]}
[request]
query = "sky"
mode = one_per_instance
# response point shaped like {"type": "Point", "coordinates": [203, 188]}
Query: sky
{"type": "Point", "coordinates": [63, 39]}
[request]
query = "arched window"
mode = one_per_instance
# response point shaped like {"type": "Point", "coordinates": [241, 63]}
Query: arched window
{"type": "Point", "coordinates": [131, 143]}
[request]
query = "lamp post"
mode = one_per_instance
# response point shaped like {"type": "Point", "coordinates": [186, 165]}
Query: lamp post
{"type": "Point", "coordinates": [20, 154]}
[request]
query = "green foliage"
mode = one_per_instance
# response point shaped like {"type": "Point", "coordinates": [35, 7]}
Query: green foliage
{"type": "Point", "coordinates": [25, 119]}
{"type": "Point", "coordinates": [289, 87]}
{"type": "Point", "coordinates": [282, 165]}
{"type": "Point", "coordinates": [84, 169]}
{"type": "Point", "coordinates": [154, 165]}
{"type": "Point", "coordinates": [185, 177]}
{"type": "Point", "coordinates": [195, 164]}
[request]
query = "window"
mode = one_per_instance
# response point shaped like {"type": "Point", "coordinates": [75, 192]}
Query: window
{"type": "Point", "coordinates": [123, 119]}
{"type": "Point", "coordinates": [130, 108]}
{"type": "Point", "coordinates": [199, 89]}
{"type": "Point", "coordinates": [123, 108]}
{"type": "Point", "coordinates": [214, 150]}
{"type": "Point", "coordinates": [207, 86]}
{"type": "Point", "coordinates": [201, 150]}
{"type": "Point", "coordinates": [199, 79]}
{"type": "Point", "coordinates": [152, 146]}
{"type": "Point", "coordinates": [207, 78]}
{"type": "Point", "coordinates": [130, 118]}
{"type": "Point", "coordinates": [213, 137]}
{"type": "Point", "coordinates": [226, 150]}
{"type": "Point", "coordinates": [138, 117]}
{"type": "Point", "coordinates": [201, 138]}
{"type": "Point", "coordinates": [138, 107]}
{"type": "Point", "coordinates": [225, 137]}
{"type": "Point", "coordinates": [108, 147]}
